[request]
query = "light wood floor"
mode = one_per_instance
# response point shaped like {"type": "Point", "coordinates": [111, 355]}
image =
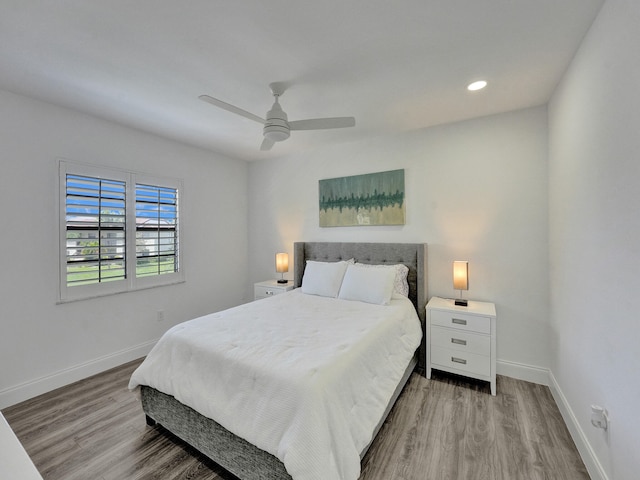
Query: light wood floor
{"type": "Point", "coordinates": [444, 428]}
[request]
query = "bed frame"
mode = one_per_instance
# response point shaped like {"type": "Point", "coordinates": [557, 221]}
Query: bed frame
{"type": "Point", "coordinates": [235, 454]}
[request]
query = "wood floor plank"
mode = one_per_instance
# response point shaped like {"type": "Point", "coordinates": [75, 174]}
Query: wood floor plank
{"type": "Point", "coordinates": [448, 427]}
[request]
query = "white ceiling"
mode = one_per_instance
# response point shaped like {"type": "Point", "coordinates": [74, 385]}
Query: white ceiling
{"type": "Point", "coordinates": [395, 66]}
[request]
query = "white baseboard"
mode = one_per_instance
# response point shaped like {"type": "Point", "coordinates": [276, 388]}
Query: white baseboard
{"type": "Point", "coordinates": [521, 371]}
{"type": "Point", "coordinates": [594, 467]}
{"type": "Point", "coordinates": [19, 393]}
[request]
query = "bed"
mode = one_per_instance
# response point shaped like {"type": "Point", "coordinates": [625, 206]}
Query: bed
{"type": "Point", "coordinates": [199, 419]}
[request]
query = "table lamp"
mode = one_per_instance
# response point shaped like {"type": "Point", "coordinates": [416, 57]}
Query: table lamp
{"type": "Point", "coordinates": [282, 265]}
{"type": "Point", "coordinates": [461, 280]}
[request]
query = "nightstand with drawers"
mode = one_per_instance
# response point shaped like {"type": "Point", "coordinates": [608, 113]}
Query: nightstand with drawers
{"type": "Point", "coordinates": [462, 340]}
{"type": "Point", "coordinates": [269, 288]}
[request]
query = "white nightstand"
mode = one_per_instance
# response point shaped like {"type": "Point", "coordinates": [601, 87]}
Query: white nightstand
{"type": "Point", "coordinates": [269, 288]}
{"type": "Point", "coordinates": [462, 340]}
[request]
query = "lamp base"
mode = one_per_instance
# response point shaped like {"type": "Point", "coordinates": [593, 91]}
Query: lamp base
{"type": "Point", "coordinates": [283, 280]}
{"type": "Point", "coordinates": [460, 302]}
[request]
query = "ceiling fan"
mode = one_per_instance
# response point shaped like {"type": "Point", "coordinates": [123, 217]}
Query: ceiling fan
{"type": "Point", "coordinates": [277, 127]}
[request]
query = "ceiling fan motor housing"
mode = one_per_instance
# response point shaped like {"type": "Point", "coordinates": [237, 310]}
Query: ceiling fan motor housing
{"type": "Point", "coordinates": [276, 126]}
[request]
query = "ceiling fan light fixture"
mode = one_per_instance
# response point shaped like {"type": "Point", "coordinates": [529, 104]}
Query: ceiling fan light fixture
{"type": "Point", "coordinates": [276, 133]}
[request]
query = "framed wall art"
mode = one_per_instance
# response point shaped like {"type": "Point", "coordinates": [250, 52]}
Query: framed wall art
{"type": "Point", "coordinates": [369, 199]}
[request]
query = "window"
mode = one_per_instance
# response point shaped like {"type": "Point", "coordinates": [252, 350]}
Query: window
{"type": "Point", "coordinates": [156, 230]}
{"type": "Point", "coordinates": [119, 231]}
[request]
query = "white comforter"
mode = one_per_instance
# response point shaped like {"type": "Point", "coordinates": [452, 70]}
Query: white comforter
{"type": "Point", "coordinates": [302, 377]}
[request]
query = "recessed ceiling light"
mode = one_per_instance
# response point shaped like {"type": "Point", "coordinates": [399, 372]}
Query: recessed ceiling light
{"type": "Point", "coordinates": [479, 85]}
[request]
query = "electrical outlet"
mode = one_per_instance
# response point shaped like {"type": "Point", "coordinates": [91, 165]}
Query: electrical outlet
{"type": "Point", "coordinates": [160, 314]}
{"type": "Point", "coordinates": [599, 417]}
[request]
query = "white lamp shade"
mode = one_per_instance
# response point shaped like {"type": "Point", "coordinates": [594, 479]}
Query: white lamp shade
{"type": "Point", "coordinates": [282, 262]}
{"type": "Point", "coordinates": [461, 275]}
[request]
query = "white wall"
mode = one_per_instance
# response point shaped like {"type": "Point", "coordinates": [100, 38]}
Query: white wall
{"type": "Point", "coordinates": [475, 190]}
{"type": "Point", "coordinates": [44, 345]}
{"type": "Point", "coordinates": [595, 239]}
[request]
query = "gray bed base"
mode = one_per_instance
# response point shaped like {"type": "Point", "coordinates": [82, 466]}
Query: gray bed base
{"type": "Point", "coordinates": [235, 454]}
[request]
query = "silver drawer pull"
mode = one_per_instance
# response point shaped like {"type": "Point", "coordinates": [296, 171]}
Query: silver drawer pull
{"type": "Point", "coordinates": [269, 292]}
{"type": "Point", "coordinates": [459, 360]}
{"type": "Point", "coordinates": [457, 341]}
{"type": "Point", "coordinates": [459, 321]}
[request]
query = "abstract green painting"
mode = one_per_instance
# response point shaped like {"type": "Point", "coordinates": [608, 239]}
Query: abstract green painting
{"type": "Point", "coordinates": [370, 199]}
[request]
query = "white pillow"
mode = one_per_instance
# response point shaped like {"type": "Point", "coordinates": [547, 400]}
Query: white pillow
{"type": "Point", "coordinates": [371, 285]}
{"type": "Point", "coordinates": [400, 283]}
{"type": "Point", "coordinates": [323, 278]}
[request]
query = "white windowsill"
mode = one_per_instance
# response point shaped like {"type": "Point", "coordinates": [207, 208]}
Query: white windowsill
{"type": "Point", "coordinates": [109, 294]}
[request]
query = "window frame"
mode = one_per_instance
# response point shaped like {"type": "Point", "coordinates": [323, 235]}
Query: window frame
{"type": "Point", "coordinates": [131, 282]}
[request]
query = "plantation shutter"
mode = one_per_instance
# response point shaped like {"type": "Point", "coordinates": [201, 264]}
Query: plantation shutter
{"type": "Point", "coordinates": [95, 230]}
{"type": "Point", "coordinates": [156, 230]}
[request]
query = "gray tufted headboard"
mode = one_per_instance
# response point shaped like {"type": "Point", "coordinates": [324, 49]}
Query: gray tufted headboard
{"type": "Point", "coordinates": [413, 255]}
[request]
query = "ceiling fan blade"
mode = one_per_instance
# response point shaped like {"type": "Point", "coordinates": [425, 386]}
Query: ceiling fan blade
{"type": "Point", "coordinates": [231, 108]}
{"type": "Point", "coordinates": [322, 123]}
{"type": "Point", "coordinates": [267, 143]}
